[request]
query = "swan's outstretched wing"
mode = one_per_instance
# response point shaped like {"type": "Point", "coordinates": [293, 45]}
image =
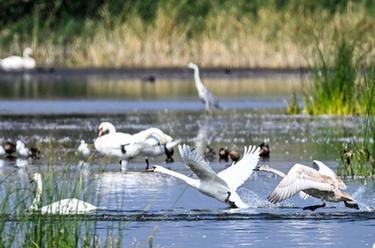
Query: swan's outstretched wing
{"type": "Point", "coordinates": [325, 170]}
{"type": "Point", "coordinates": [238, 173]}
{"type": "Point", "coordinates": [300, 178]}
{"type": "Point", "coordinates": [198, 165]}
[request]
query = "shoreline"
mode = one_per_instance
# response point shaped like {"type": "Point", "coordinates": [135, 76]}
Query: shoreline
{"type": "Point", "coordinates": [150, 74]}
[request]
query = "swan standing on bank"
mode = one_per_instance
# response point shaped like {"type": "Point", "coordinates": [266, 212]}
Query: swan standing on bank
{"type": "Point", "coordinates": [210, 101]}
{"type": "Point", "coordinates": [65, 206]}
{"type": "Point", "coordinates": [221, 186]}
{"type": "Point", "coordinates": [150, 142]}
{"type": "Point", "coordinates": [26, 62]}
{"type": "Point", "coordinates": [322, 183]}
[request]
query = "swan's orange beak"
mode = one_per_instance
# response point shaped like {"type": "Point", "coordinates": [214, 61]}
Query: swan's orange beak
{"type": "Point", "coordinates": [100, 132]}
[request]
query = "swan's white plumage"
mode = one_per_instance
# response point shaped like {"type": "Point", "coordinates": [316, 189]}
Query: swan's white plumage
{"type": "Point", "coordinates": [26, 62]}
{"type": "Point", "coordinates": [300, 178]}
{"type": "Point", "coordinates": [149, 142]}
{"type": "Point", "coordinates": [2, 151]}
{"type": "Point", "coordinates": [21, 149]}
{"type": "Point", "coordinates": [208, 181]}
{"type": "Point", "coordinates": [83, 148]}
{"type": "Point", "coordinates": [325, 170]}
{"type": "Point", "coordinates": [239, 172]}
{"type": "Point", "coordinates": [65, 206]}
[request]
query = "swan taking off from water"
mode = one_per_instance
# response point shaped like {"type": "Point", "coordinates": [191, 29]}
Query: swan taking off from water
{"type": "Point", "coordinates": [210, 101]}
{"type": "Point", "coordinates": [321, 183]}
{"type": "Point", "coordinates": [65, 206]}
{"type": "Point", "coordinates": [26, 62]}
{"type": "Point", "coordinates": [149, 142]}
{"type": "Point", "coordinates": [221, 186]}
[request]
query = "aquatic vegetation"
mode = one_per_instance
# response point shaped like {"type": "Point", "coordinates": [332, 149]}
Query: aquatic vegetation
{"type": "Point", "coordinates": [358, 159]}
{"type": "Point", "coordinates": [267, 33]}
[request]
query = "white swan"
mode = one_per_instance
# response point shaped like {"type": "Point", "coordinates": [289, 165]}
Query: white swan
{"type": "Point", "coordinates": [63, 207]}
{"type": "Point", "coordinates": [150, 142]}
{"type": "Point", "coordinates": [2, 151]}
{"type": "Point", "coordinates": [266, 168]}
{"type": "Point", "coordinates": [83, 149]}
{"type": "Point", "coordinates": [221, 186]}
{"type": "Point", "coordinates": [26, 62]}
{"type": "Point", "coordinates": [322, 183]}
{"type": "Point", "coordinates": [22, 150]}
{"type": "Point", "coordinates": [210, 101]}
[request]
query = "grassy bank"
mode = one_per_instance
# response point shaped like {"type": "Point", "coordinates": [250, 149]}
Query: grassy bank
{"type": "Point", "coordinates": [170, 33]}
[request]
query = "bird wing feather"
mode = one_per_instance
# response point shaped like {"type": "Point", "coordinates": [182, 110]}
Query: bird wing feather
{"type": "Point", "coordinates": [198, 165]}
{"type": "Point", "coordinates": [325, 170]}
{"type": "Point", "coordinates": [299, 178]}
{"type": "Point", "coordinates": [239, 172]}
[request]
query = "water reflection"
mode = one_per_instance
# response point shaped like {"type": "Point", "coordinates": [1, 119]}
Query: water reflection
{"type": "Point", "coordinates": [92, 88]}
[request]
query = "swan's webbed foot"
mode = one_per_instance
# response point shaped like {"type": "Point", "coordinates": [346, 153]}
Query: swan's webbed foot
{"type": "Point", "coordinates": [314, 207]}
{"type": "Point", "coordinates": [231, 203]}
{"type": "Point", "coordinates": [351, 204]}
{"type": "Point", "coordinates": [169, 155]}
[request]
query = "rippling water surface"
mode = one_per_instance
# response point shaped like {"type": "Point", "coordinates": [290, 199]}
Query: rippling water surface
{"type": "Point", "coordinates": [139, 204]}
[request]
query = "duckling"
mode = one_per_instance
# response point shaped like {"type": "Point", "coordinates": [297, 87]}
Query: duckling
{"type": "Point", "coordinates": [264, 151]}
{"type": "Point", "coordinates": [234, 155]}
{"type": "Point", "coordinates": [223, 154]}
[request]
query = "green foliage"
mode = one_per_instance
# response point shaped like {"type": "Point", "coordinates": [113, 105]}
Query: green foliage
{"type": "Point", "coordinates": [358, 159]}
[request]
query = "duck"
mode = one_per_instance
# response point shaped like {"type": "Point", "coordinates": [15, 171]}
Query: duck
{"type": "Point", "coordinates": [150, 142]}
{"type": "Point", "coordinates": [10, 149]}
{"type": "Point", "coordinates": [26, 62]}
{"type": "Point", "coordinates": [208, 98]}
{"type": "Point", "coordinates": [221, 186]}
{"type": "Point", "coordinates": [319, 182]}
{"type": "Point", "coordinates": [264, 151]}
{"type": "Point", "coordinates": [83, 149]}
{"type": "Point", "coordinates": [63, 207]}
{"type": "Point", "coordinates": [223, 154]}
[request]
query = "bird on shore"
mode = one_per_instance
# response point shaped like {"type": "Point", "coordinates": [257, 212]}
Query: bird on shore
{"type": "Point", "coordinates": [62, 207]}
{"type": "Point", "coordinates": [26, 62]}
{"type": "Point", "coordinates": [150, 142]}
{"type": "Point", "coordinates": [83, 149]}
{"type": "Point", "coordinates": [208, 98]}
{"type": "Point", "coordinates": [25, 152]}
{"type": "Point", "coordinates": [223, 185]}
{"type": "Point", "coordinates": [321, 183]}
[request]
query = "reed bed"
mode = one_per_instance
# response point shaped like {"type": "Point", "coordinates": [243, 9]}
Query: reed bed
{"type": "Point", "coordinates": [172, 33]}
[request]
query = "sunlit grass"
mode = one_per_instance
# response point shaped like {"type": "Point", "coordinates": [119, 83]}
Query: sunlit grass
{"type": "Point", "coordinates": [172, 33]}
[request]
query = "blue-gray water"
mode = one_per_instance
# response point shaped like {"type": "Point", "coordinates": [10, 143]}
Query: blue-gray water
{"type": "Point", "coordinates": [140, 204]}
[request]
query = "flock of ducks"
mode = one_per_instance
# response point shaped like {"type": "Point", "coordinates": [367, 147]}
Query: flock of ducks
{"type": "Point", "coordinates": [319, 182]}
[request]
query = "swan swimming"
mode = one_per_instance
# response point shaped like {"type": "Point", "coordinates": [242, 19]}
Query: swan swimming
{"type": "Point", "coordinates": [63, 207]}
{"type": "Point", "coordinates": [208, 98]}
{"type": "Point", "coordinates": [321, 183]}
{"type": "Point", "coordinates": [150, 142]}
{"type": "Point", "coordinates": [26, 62]}
{"type": "Point", "coordinates": [221, 186]}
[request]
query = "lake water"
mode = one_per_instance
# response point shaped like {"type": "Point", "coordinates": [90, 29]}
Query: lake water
{"type": "Point", "coordinates": [56, 115]}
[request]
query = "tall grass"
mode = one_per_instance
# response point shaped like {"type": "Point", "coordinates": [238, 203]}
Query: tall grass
{"type": "Point", "coordinates": [358, 159]}
{"type": "Point", "coordinates": [243, 33]}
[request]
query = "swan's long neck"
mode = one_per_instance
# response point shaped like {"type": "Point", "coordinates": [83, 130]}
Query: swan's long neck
{"type": "Point", "coordinates": [38, 194]}
{"type": "Point", "coordinates": [272, 170]}
{"type": "Point", "coordinates": [190, 181]}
